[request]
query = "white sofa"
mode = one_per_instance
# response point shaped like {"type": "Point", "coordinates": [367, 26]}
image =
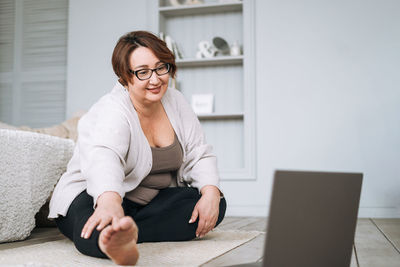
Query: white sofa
{"type": "Point", "coordinates": [30, 166]}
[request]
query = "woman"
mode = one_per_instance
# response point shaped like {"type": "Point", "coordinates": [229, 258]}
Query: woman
{"type": "Point", "coordinates": [141, 170]}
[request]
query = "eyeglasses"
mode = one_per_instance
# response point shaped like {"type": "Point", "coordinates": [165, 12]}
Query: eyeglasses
{"type": "Point", "coordinates": [145, 74]}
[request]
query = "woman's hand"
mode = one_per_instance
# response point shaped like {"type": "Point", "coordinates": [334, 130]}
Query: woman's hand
{"type": "Point", "coordinates": [108, 210]}
{"type": "Point", "coordinates": [207, 209]}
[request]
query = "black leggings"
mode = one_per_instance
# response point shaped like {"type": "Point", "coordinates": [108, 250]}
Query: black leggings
{"type": "Point", "coordinates": [165, 218]}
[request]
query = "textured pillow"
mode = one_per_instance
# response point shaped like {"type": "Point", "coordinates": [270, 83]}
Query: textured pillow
{"type": "Point", "coordinates": [67, 129]}
{"type": "Point", "coordinates": [30, 166]}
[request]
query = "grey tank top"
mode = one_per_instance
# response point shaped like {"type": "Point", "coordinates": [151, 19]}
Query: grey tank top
{"type": "Point", "coordinates": [166, 161]}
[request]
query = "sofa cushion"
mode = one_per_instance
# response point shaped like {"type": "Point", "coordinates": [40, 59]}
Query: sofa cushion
{"type": "Point", "coordinates": [30, 166]}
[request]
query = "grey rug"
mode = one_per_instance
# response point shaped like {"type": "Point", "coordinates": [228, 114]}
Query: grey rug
{"type": "Point", "coordinates": [189, 253]}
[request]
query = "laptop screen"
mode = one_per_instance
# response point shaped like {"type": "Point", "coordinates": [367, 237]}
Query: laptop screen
{"type": "Point", "coordinates": [312, 219]}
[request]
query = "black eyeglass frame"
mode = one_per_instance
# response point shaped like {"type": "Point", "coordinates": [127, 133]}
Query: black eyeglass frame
{"type": "Point", "coordinates": [152, 70]}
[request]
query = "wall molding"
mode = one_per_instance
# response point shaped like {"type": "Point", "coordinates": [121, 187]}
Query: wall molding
{"type": "Point", "coordinates": [262, 211]}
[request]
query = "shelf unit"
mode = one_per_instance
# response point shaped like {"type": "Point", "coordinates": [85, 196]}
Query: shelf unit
{"type": "Point", "coordinates": [231, 127]}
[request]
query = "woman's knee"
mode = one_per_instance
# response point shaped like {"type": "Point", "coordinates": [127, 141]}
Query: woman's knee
{"type": "Point", "coordinates": [222, 210]}
{"type": "Point", "coordinates": [89, 246]}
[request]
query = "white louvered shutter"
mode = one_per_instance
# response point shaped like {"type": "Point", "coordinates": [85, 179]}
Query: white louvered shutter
{"type": "Point", "coordinates": [7, 18]}
{"type": "Point", "coordinates": [39, 62]}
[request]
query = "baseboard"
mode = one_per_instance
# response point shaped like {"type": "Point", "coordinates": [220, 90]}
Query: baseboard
{"type": "Point", "coordinates": [261, 211]}
{"type": "Point", "coordinates": [247, 210]}
{"type": "Point", "coordinates": [384, 212]}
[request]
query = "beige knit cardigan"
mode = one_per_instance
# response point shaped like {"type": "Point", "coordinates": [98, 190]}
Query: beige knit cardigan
{"type": "Point", "coordinates": [113, 154]}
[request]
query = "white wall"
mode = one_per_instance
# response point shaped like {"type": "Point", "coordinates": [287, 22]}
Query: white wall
{"type": "Point", "coordinates": [328, 89]}
{"type": "Point", "coordinates": [93, 30]}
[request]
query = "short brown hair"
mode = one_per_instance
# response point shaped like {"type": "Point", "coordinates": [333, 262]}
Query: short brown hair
{"type": "Point", "coordinates": [132, 40]}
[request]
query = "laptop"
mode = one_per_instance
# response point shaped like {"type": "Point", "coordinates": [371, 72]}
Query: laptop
{"type": "Point", "coordinates": [312, 219]}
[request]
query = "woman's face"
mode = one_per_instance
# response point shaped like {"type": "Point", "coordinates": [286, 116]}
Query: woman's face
{"type": "Point", "coordinates": [148, 90]}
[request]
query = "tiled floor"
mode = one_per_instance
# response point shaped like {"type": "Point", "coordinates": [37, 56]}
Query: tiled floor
{"type": "Point", "coordinates": [377, 242]}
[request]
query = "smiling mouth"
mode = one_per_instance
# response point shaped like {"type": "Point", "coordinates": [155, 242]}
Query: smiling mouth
{"type": "Point", "coordinates": [155, 90]}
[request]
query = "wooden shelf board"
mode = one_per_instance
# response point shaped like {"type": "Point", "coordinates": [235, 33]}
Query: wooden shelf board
{"type": "Point", "coordinates": [215, 61]}
{"type": "Point", "coordinates": [171, 11]}
{"type": "Point", "coordinates": [220, 116]}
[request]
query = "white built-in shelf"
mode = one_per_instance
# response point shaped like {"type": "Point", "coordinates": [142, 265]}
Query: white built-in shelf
{"type": "Point", "coordinates": [171, 11]}
{"type": "Point", "coordinates": [220, 116]}
{"type": "Point", "coordinates": [215, 61]}
{"type": "Point", "coordinates": [233, 122]}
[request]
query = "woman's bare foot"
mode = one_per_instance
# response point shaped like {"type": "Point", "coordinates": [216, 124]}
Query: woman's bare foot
{"type": "Point", "coordinates": [118, 241]}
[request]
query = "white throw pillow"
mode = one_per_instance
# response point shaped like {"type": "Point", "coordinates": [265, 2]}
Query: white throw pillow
{"type": "Point", "coordinates": [30, 166]}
